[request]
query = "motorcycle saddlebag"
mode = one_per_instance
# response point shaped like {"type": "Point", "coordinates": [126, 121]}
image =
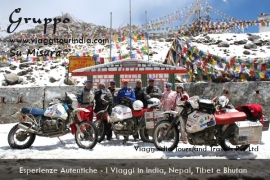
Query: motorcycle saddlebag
{"type": "Point", "coordinates": [207, 106]}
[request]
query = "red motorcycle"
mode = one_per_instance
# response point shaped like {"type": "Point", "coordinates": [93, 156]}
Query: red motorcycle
{"type": "Point", "coordinates": [208, 126]}
{"type": "Point", "coordinates": [126, 119]}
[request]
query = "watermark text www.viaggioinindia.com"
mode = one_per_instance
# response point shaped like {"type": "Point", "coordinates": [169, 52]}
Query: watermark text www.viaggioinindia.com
{"type": "Point", "coordinates": [57, 52]}
{"type": "Point", "coordinates": [52, 41]}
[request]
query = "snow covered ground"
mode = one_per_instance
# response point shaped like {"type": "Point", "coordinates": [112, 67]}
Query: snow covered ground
{"type": "Point", "coordinates": [51, 148]}
{"type": "Point", "coordinates": [235, 50]}
{"type": "Point", "coordinates": [42, 71]}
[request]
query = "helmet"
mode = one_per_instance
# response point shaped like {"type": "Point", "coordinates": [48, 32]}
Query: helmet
{"type": "Point", "coordinates": [137, 105]}
{"type": "Point", "coordinates": [153, 102]}
{"type": "Point", "coordinates": [223, 101]}
{"type": "Point", "coordinates": [180, 86]}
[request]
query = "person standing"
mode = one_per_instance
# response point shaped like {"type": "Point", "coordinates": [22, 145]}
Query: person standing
{"type": "Point", "coordinates": [151, 90]}
{"type": "Point", "coordinates": [140, 94]}
{"type": "Point", "coordinates": [85, 98]}
{"type": "Point", "coordinates": [125, 92]}
{"type": "Point", "coordinates": [113, 91]}
{"type": "Point", "coordinates": [168, 98]}
{"type": "Point", "coordinates": [180, 97]}
{"type": "Point", "coordinates": [101, 105]}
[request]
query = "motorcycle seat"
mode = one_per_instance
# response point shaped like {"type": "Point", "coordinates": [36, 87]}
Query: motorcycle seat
{"type": "Point", "coordinates": [230, 117]}
{"type": "Point", "coordinates": [141, 112]}
{"type": "Point", "coordinates": [170, 112]}
{"type": "Point", "coordinates": [33, 111]}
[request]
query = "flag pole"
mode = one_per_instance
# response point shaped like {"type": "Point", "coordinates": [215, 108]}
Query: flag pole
{"type": "Point", "coordinates": [111, 38]}
{"type": "Point", "coordinates": [130, 27]}
{"type": "Point", "coordinates": [147, 34]}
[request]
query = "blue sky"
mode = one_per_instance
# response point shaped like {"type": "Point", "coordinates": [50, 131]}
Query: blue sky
{"type": "Point", "coordinates": [98, 11]}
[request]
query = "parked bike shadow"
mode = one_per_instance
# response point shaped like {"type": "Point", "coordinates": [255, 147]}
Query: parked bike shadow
{"type": "Point", "coordinates": [67, 146]}
{"type": "Point", "coordinates": [70, 144]}
{"type": "Point", "coordinates": [130, 142]}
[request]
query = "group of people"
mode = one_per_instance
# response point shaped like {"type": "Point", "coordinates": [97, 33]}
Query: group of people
{"type": "Point", "coordinates": [92, 100]}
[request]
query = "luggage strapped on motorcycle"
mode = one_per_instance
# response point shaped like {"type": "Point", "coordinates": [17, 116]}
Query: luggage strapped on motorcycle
{"type": "Point", "coordinates": [253, 111]}
{"type": "Point", "coordinates": [126, 102]}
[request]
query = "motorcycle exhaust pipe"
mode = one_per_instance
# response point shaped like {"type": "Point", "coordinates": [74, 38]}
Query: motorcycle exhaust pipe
{"type": "Point", "coordinates": [21, 126]}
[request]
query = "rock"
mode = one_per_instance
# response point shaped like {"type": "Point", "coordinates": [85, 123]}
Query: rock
{"type": "Point", "coordinates": [253, 37]}
{"type": "Point", "coordinates": [47, 70]}
{"type": "Point", "coordinates": [53, 67]}
{"type": "Point", "coordinates": [169, 40]}
{"type": "Point", "coordinates": [244, 41]}
{"type": "Point", "coordinates": [33, 79]}
{"type": "Point", "coordinates": [246, 52]}
{"type": "Point", "coordinates": [70, 81]}
{"type": "Point", "coordinates": [30, 69]}
{"type": "Point", "coordinates": [23, 65]}
{"type": "Point", "coordinates": [11, 78]}
{"type": "Point", "coordinates": [250, 46]}
{"type": "Point", "coordinates": [258, 42]}
{"type": "Point", "coordinates": [12, 67]}
{"type": "Point", "coordinates": [8, 72]}
{"type": "Point", "coordinates": [4, 83]}
{"type": "Point", "coordinates": [217, 41]}
{"type": "Point", "coordinates": [52, 79]}
{"type": "Point", "coordinates": [223, 44]}
{"type": "Point", "coordinates": [22, 73]}
{"type": "Point", "coordinates": [28, 77]}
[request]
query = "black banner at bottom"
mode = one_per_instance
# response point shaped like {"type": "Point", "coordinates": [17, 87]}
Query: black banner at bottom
{"type": "Point", "coordinates": [186, 169]}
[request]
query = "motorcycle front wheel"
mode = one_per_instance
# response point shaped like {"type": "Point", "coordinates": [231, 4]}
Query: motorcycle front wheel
{"type": "Point", "coordinates": [86, 135]}
{"type": "Point", "coordinates": [19, 138]}
{"type": "Point", "coordinates": [165, 140]}
{"type": "Point", "coordinates": [101, 128]}
{"type": "Point", "coordinates": [227, 146]}
{"type": "Point", "coordinates": [146, 135]}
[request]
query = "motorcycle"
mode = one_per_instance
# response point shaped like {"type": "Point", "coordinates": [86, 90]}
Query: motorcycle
{"type": "Point", "coordinates": [125, 120]}
{"type": "Point", "coordinates": [60, 118]}
{"type": "Point", "coordinates": [205, 125]}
